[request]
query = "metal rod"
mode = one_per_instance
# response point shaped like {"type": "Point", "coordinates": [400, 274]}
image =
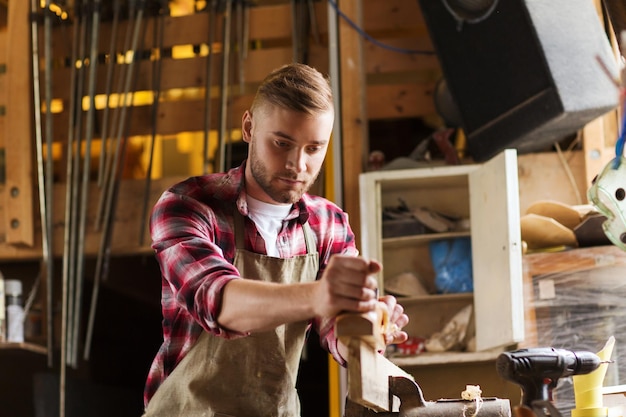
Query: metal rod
{"type": "Point", "coordinates": [118, 120]}
{"type": "Point", "coordinates": [41, 171]}
{"type": "Point", "coordinates": [156, 93]}
{"type": "Point", "coordinates": [49, 177]}
{"type": "Point", "coordinates": [80, 262]}
{"type": "Point", "coordinates": [225, 86]}
{"type": "Point", "coordinates": [104, 250]}
{"type": "Point", "coordinates": [208, 83]}
{"type": "Point", "coordinates": [107, 91]}
{"type": "Point", "coordinates": [68, 253]}
{"type": "Point", "coordinates": [75, 181]}
{"type": "Point", "coordinates": [49, 120]}
{"type": "Point", "coordinates": [240, 44]}
{"type": "Point", "coordinates": [39, 150]}
{"type": "Point", "coordinates": [68, 259]}
{"type": "Point", "coordinates": [294, 32]}
{"type": "Point", "coordinates": [313, 22]}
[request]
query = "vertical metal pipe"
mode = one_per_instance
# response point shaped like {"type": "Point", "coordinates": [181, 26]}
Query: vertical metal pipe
{"type": "Point", "coordinates": [107, 91]}
{"type": "Point", "coordinates": [84, 194]}
{"type": "Point", "coordinates": [295, 39]}
{"type": "Point", "coordinates": [225, 85]}
{"type": "Point", "coordinates": [104, 249]}
{"type": "Point", "coordinates": [156, 94]}
{"type": "Point", "coordinates": [38, 127]}
{"type": "Point", "coordinates": [117, 121]}
{"type": "Point", "coordinates": [68, 266]}
{"type": "Point", "coordinates": [75, 181]}
{"type": "Point", "coordinates": [335, 81]}
{"type": "Point", "coordinates": [208, 83]}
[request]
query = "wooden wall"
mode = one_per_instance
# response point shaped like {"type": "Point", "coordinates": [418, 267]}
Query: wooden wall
{"type": "Point", "coordinates": [397, 85]}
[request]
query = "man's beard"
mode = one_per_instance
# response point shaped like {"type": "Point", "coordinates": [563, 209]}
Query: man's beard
{"type": "Point", "coordinates": [261, 176]}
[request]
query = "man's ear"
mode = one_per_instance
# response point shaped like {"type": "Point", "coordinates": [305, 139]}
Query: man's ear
{"type": "Point", "coordinates": [246, 126]}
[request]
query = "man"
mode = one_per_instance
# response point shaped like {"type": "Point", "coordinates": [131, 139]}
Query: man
{"type": "Point", "coordinates": [250, 262]}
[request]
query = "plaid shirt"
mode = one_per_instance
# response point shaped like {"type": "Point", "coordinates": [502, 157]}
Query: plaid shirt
{"type": "Point", "coordinates": [195, 247]}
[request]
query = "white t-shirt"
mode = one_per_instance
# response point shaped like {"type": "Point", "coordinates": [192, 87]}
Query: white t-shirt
{"type": "Point", "coordinates": [269, 220]}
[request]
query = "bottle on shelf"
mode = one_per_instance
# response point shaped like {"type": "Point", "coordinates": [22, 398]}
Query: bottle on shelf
{"type": "Point", "coordinates": [15, 310]}
{"type": "Point", "coordinates": [3, 328]}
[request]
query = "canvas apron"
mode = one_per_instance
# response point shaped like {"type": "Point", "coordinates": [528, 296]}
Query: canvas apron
{"type": "Point", "coordinates": [246, 377]}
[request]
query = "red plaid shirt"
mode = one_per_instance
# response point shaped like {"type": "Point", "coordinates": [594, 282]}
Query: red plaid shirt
{"type": "Point", "coordinates": [195, 247]}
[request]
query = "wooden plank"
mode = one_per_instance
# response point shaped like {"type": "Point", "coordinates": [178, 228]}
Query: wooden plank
{"type": "Point", "coordinates": [368, 377]}
{"type": "Point", "coordinates": [173, 117]}
{"type": "Point", "coordinates": [368, 370]}
{"type": "Point", "coordinates": [266, 24]}
{"type": "Point", "coordinates": [392, 15]}
{"type": "Point", "coordinates": [3, 103]}
{"type": "Point", "coordinates": [497, 252]}
{"type": "Point", "coordinates": [190, 72]}
{"type": "Point", "coordinates": [19, 208]}
{"type": "Point", "coordinates": [599, 137]}
{"type": "Point", "coordinates": [369, 327]}
{"type": "Point", "coordinates": [399, 101]}
{"type": "Point", "coordinates": [353, 113]}
{"type": "Point", "coordinates": [3, 80]}
{"type": "Point", "coordinates": [545, 176]}
{"type": "Point", "coordinates": [573, 260]}
{"type": "Point", "coordinates": [125, 238]}
{"type": "Point", "coordinates": [278, 19]}
{"type": "Point", "coordinates": [381, 60]}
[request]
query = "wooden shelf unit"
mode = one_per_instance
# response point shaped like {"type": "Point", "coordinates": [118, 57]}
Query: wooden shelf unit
{"type": "Point", "coordinates": [487, 194]}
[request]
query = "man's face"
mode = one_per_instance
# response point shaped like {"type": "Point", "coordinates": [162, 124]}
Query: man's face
{"type": "Point", "coordinates": [286, 152]}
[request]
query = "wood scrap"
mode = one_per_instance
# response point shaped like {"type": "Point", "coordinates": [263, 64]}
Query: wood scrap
{"type": "Point", "coordinates": [540, 232]}
{"type": "Point", "coordinates": [368, 369]}
{"type": "Point", "coordinates": [454, 334]}
{"type": "Point", "coordinates": [565, 214]}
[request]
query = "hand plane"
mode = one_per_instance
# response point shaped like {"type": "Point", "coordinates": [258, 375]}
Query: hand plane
{"type": "Point", "coordinates": [377, 387]}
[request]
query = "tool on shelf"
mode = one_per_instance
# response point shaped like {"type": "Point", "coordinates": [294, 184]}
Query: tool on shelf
{"type": "Point", "coordinates": [538, 370]}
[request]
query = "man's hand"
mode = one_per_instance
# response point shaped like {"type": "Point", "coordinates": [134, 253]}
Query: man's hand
{"type": "Point", "coordinates": [348, 284]}
{"type": "Point", "coordinates": [397, 319]}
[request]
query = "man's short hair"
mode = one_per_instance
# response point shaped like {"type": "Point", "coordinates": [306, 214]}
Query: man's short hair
{"type": "Point", "coordinates": [296, 87]}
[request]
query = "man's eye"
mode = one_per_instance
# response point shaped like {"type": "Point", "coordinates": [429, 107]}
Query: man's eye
{"type": "Point", "coordinates": [281, 144]}
{"type": "Point", "coordinates": [314, 149]}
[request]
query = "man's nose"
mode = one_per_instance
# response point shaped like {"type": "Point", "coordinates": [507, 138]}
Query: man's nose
{"type": "Point", "coordinates": [297, 160]}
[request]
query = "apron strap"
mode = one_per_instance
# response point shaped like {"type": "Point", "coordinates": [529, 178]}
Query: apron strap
{"type": "Point", "coordinates": [309, 236]}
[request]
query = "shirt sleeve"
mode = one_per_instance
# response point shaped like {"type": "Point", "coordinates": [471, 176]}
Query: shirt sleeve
{"type": "Point", "coordinates": [342, 242]}
{"type": "Point", "coordinates": [186, 239]}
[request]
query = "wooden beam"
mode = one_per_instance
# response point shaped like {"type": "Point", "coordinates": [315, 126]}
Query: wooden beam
{"type": "Point", "coordinates": [127, 220]}
{"type": "Point", "coordinates": [599, 138]}
{"type": "Point", "coordinates": [353, 112]}
{"type": "Point", "coordinates": [19, 208]}
{"type": "Point", "coordinates": [368, 370]}
{"type": "Point", "coordinates": [400, 101]}
{"type": "Point", "coordinates": [191, 72]}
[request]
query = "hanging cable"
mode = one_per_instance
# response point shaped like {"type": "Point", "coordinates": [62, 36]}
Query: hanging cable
{"type": "Point", "coordinates": [376, 42]}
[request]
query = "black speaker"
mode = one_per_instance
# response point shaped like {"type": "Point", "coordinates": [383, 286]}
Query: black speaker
{"type": "Point", "coordinates": [523, 73]}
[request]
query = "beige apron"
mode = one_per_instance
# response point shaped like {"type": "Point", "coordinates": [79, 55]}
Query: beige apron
{"type": "Point", "coordinates": [254, 376]}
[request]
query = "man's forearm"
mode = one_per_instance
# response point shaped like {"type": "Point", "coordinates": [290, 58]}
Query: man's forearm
{"type": "Point", "coordinates": [253, 306]}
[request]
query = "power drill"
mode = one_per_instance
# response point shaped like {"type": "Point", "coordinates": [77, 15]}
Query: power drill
{"type": "Point", "coordinates": [537, 370]}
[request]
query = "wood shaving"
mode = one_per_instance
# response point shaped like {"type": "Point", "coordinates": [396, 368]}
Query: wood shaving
{"type": "Point", "coordinates": [472, 393]}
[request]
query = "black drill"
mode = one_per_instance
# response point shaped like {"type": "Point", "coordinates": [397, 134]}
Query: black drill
{"type": "Point", "coordinates": [537, 370]}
